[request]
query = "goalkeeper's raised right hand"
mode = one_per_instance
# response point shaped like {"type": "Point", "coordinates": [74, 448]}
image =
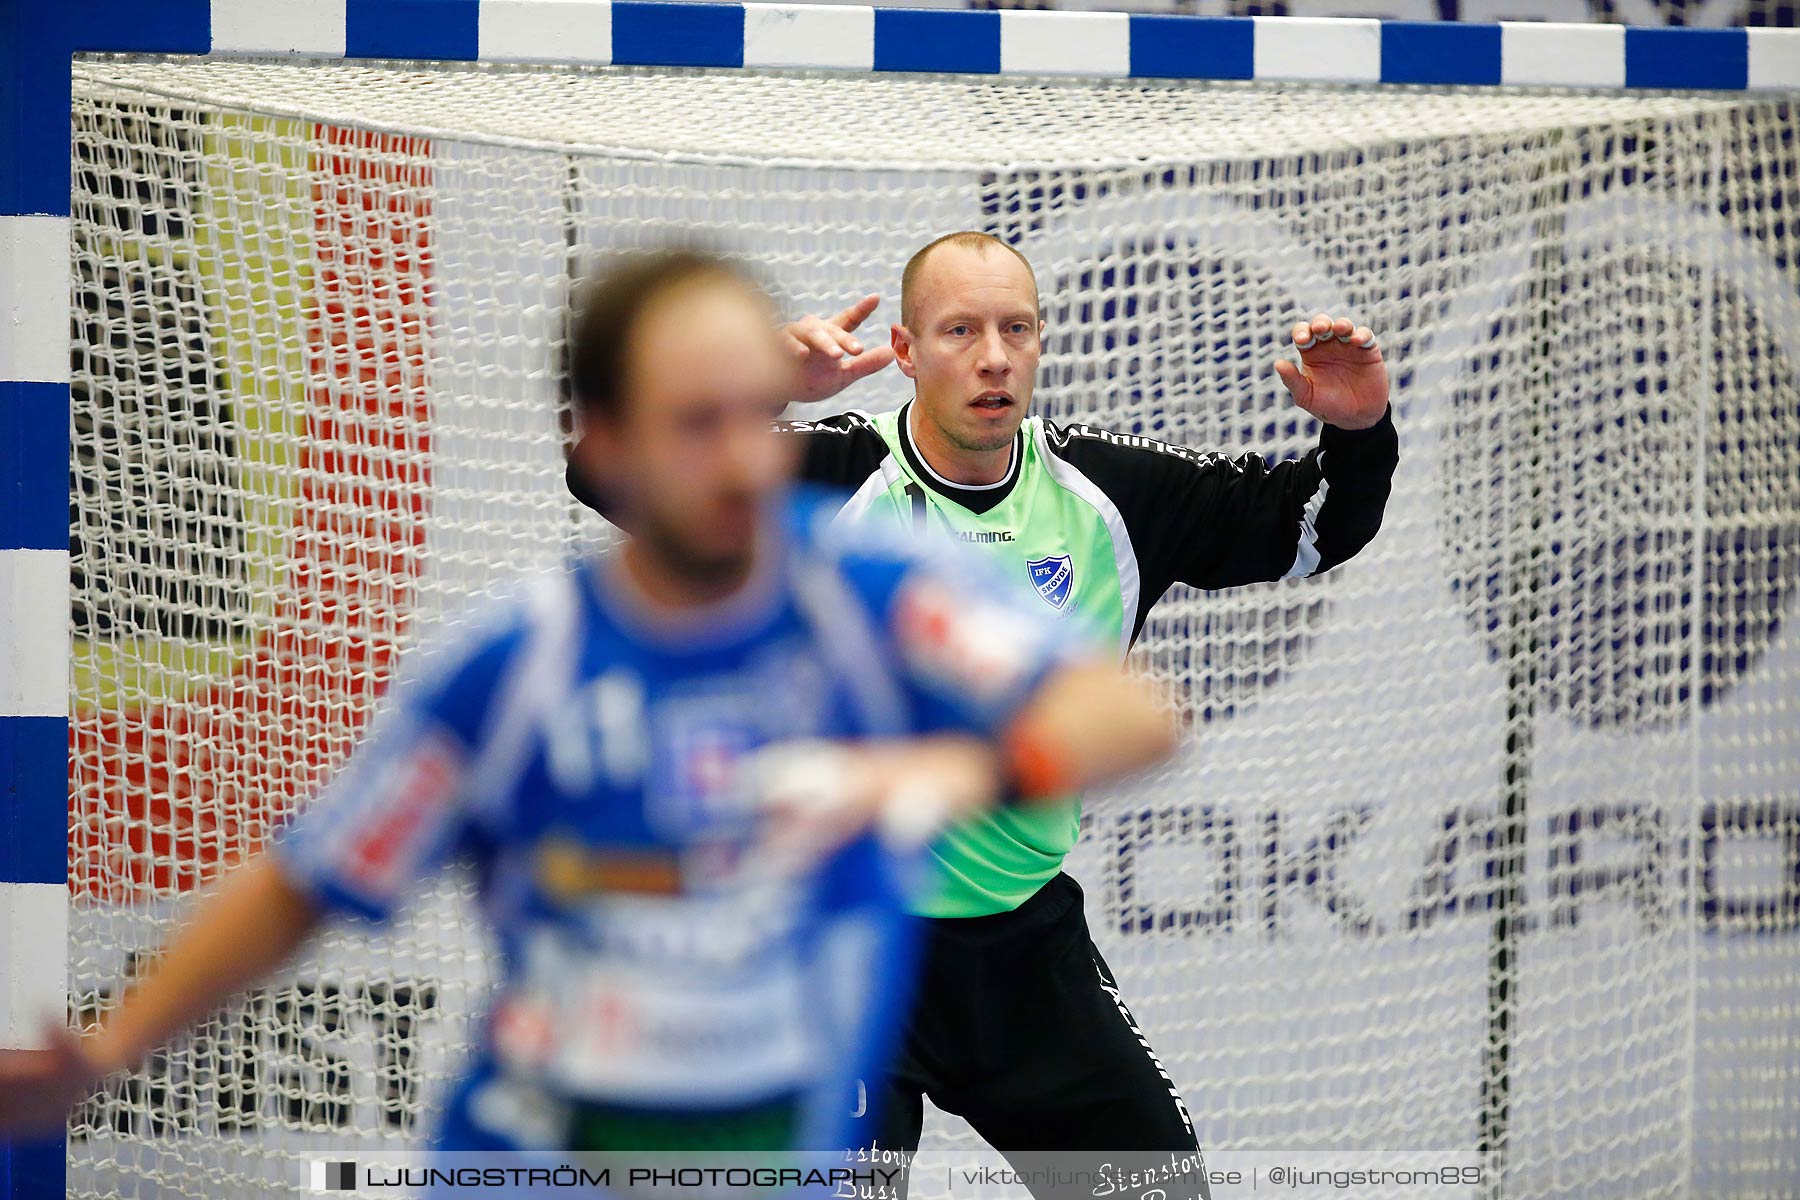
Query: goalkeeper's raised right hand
{"type": "Point", "coordinates": [831, 357]}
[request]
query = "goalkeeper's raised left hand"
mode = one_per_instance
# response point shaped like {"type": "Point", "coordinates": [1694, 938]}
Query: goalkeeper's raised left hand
{"type": "Point", "coordinates": [829, 355]}
{"type": "Point", "coordinates": [1340, 378]}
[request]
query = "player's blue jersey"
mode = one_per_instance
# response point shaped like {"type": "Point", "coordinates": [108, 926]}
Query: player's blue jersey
{"type": "Point", "coordinates": [583, 753]}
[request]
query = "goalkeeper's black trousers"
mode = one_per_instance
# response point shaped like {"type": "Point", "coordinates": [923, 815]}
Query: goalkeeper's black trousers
{"type": "Point", "coordinates": [1019, 1028]}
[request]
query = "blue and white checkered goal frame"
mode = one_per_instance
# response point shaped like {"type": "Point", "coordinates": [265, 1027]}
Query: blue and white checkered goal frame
{"type": "Point", "coordinates": [279, 285]}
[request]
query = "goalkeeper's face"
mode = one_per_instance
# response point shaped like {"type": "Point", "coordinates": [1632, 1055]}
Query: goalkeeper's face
{"type": "Point", "coordinates": [971, 344]}
{"type": "Point", "coordinates": [691, 453]}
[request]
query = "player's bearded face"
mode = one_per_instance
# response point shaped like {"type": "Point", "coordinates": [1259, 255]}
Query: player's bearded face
{"type": "Point", "coordinates": [693, 455]}
{"type": "Point", "coordinates": [972, 345]}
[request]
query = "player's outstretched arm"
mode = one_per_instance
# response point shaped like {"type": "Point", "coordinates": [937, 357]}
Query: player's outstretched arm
{"type": "Point", "coordinates": [247, 928]}
{"type": "Point", "coordinates": [1088, 724]}
{"type": "Point", "coordinates": [829, 354]}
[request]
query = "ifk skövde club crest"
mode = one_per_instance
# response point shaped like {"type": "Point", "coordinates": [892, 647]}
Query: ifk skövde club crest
{"type": "Point", "coordinates": [1054, 578]}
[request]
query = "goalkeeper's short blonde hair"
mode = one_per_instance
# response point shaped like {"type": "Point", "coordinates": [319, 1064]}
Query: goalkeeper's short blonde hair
{"type": "Point", "coordinates": [968, 239]}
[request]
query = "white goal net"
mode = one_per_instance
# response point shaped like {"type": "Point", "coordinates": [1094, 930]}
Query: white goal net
{"type": "Point", "coordinates": [1490, 837]}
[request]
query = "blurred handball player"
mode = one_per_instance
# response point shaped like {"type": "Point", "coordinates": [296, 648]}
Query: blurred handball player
{"type": "Point", "coordinates": [687, 773]}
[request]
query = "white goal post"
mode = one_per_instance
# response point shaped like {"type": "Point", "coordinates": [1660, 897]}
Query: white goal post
{"type": "Point", "coordinates": [1488, 839]}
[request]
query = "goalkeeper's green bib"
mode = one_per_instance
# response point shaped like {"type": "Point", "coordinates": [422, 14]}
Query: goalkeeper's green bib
{"type": "Point", "coordinates": [1056, 531]}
